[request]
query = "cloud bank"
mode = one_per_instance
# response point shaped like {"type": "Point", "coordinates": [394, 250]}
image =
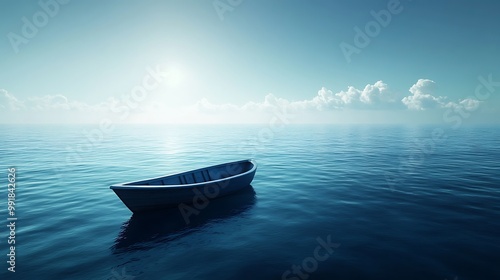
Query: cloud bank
{"type": "Point", "coordinates": [422, 98]}
{"type": "Point", "coordinates": [372, 96]}
{"type": "Point", "coordinates": [377, 96]}
{"type": "Point", "coordinates": [45, 103]}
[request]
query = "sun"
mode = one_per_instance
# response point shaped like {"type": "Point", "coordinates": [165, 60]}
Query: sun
{"type": "Point", "coordinates": [176, 76]}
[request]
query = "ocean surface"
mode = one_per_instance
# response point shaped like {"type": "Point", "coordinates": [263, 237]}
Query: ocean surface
{"type": "Point", "coordinates": [327, 202]}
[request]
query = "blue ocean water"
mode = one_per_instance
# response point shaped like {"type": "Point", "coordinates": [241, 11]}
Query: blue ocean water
{"type": "Point", "coordinates": [327, 202]}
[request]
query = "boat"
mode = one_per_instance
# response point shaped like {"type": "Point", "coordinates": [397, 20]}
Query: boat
{"type": "Point", "coordinates": [195, 187]}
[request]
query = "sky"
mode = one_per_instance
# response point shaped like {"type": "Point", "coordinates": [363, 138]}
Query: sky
{"type": "Point", "coordinates": [242, 61]}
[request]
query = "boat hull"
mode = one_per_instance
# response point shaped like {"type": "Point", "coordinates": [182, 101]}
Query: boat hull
{"type": "Point", "coordinates": [230, 178]}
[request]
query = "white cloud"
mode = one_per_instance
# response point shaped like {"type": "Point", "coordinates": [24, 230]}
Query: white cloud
{"type": "Point", "coordinates": [370, 97]}
{"type": "Point", "coordinates": [206, 106]}
{"type": "Point", "coordinates": [467, 104]}
{"type": "Point", "coordinates": [9, 101]}
{"type": "Point", "coordinates": [47, 103]}
{"type": "Point", "coordinates": [422, 98]}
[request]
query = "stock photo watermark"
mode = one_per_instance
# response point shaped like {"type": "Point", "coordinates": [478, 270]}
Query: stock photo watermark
{"type": "Point", "coordinates": [122, 275]}
{"type": "Point", "coordinates": [224, 6]}
{"type": "Point", "coordinates": [121, 109]}
{"type": "Point", "coordinates": [455, 116]}
{"type": "Point", "coordinates": [11, 220]}
{"type": "Point", "coordinates": [31, 26]}
{"type": "Point", "coordinates": [310, 264]}
{"type": "Point", "coordinates": [281, 117]}
{"type": "Point", "coordinates": [363, 37]}
{"type": "Point", "coordinates": [210, 191]}
{"type": "Point", "coordinates": [201, 199]}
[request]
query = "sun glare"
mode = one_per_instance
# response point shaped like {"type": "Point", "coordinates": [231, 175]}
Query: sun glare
{"type": "Point", "coordinates": [176, 76]}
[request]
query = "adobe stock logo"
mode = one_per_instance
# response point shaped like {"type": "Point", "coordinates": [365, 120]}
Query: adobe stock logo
{"type": "Point", "coordinates": [30, 27]}
{"type": "Point", "coordinates": [222, 7]}
{"type": "Point", "coordinates": [363, 38]}
{"type": "Point", "coordinates": [310, 264]}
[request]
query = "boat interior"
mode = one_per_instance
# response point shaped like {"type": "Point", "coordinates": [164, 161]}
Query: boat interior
{"type": "Point", "coordinates": [198, 176]}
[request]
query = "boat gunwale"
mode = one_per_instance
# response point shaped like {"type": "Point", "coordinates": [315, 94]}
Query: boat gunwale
{"type": "Point", "coordinates": [124, 186]}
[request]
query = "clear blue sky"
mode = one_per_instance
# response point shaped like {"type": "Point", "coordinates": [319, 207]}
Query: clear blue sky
{"type": "Point", "coordinates": [91, 51]}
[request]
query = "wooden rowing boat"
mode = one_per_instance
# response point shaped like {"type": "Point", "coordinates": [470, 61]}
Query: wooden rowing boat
{"type": "Point", "coordinates": [192, 187]}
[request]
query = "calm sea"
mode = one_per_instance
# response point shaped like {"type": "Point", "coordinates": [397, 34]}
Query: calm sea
{"type": "Point", "coordinates": [327, 202]}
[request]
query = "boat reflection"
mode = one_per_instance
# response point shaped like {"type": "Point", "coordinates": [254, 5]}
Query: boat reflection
{"type": "Point", "coordinates": [144, 231]}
